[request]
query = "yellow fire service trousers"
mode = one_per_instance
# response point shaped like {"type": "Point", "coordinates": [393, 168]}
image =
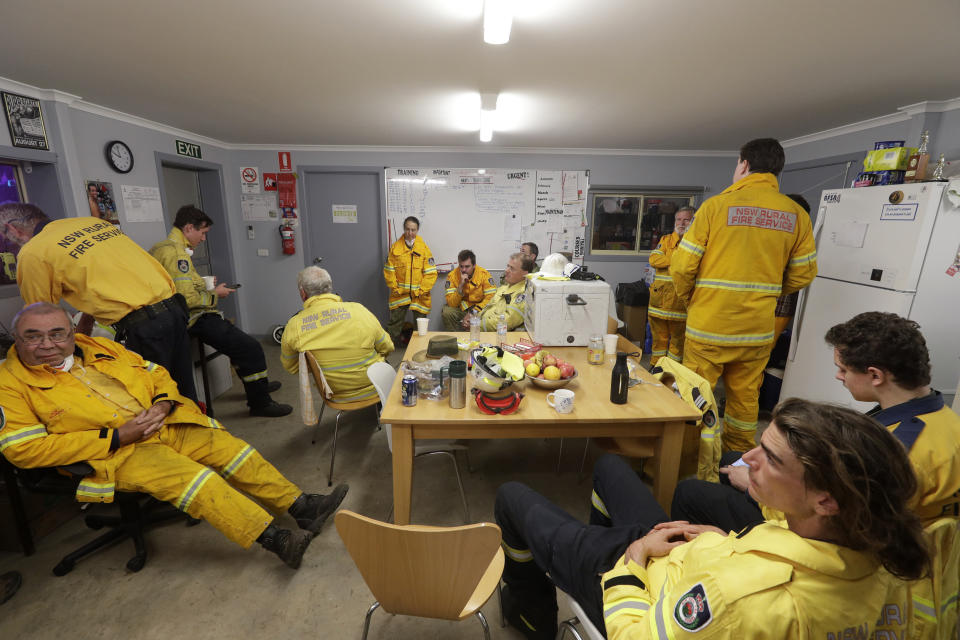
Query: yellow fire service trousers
{"type": "Point", "coordinates": [202, 471]}
{"type": "Point", "coordinates": [742, 372]}
{"type": "Point", "coordinates": [668, 336]}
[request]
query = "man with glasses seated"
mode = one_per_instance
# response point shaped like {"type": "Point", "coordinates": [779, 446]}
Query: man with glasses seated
{"type": "Point", "coordinates": [68, 398]}
{"type": "Point", "coordinates": [508, 300]}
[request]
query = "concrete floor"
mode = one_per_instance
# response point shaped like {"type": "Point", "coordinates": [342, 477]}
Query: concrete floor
{"type": "Point", "coordinates": [197, 585]}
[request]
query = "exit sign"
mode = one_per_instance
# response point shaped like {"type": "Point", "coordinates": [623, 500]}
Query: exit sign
{"type": "Point", "coordinates": [188, 149]}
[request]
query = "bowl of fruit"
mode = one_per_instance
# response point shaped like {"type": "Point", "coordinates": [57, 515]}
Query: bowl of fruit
{"type": "Point", "coordinates": [547, 371]}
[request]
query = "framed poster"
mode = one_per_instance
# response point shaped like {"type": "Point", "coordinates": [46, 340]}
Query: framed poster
{"type": "Point", "coordinates": [102, 203]}
{"type": "Point", "coordinates": [25, 121]}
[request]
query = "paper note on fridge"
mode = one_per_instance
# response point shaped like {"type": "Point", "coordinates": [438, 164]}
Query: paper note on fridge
{"type": "Point", "coordinates": [850, 234]}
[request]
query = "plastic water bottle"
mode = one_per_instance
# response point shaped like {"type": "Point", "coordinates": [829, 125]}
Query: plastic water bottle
{"type": "Point", "coordinates": [502, 329]}
{"type": "Point", "coordinates": [474, 326]}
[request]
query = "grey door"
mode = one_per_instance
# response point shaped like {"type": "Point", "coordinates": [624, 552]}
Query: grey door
{"type": "Point", "coordinates": [352, 253]}
{"type": "Point", "coordinates": [201, 188]}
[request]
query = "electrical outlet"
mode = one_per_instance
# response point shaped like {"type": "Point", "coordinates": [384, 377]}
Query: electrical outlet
{"type": "Point", "coordinates": [263, 253]}
{"type": "Point", "coordinates": [250, 233]}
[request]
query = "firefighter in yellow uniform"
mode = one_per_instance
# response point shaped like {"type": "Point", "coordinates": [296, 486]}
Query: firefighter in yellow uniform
{"type": "Point", "coordinates": [98, 270]}
{"type": "Point", "coordinates": [410, 273]}
{"type": "Point", "coordinates": [746, 246]}
{"type": "Point", "coordinates": [69, 398]}
{"type": "Point", "coordinates": [469, 289]}
{"type": "Point", "coordinates": [509, 299]}
{"type": "Point", "coordinates": [808, 576]}
{"type": "Point", "coordinates": [344, 337]}
{"type": "Point", "coordinates": [667, 313]}
{"type": "Point", "coordinates": [206, 322]}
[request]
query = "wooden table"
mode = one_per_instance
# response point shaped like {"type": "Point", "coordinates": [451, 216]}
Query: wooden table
{"type": "Point", "coordinates": [652, 411]}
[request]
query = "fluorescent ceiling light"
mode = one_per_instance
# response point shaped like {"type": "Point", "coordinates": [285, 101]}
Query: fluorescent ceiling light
{"type": "Point", "coordinates": [497, 20]}
{"type": "Point", "coordinates": [488, 111]}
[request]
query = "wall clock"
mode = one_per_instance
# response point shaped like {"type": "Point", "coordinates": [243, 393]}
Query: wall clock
{"type": "Point", "coordinates": [119, 156]}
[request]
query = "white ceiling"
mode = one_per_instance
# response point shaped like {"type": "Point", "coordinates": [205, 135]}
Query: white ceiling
{"type": "Point", "coordinates": [617, 74]}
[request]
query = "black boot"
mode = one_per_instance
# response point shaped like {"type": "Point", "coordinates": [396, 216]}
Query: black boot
{"type": "Point", "coordinates": [288, 545]}
{"type": "Point", "coordinates": [536, 620]}
{"type": "Point", "coordinates": [273, 385]}
{"type": "Point", "coordinates": [311, 510]}
{"type": "Point", "coordinates": [272, 410]}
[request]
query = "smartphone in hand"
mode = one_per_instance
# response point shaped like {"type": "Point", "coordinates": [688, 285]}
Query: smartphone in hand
{"type": "Point", "coordinates": [234, 286]}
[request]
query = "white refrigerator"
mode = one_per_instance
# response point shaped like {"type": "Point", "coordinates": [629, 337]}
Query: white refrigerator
{"type": "Point", "coordinates": [887, 248]}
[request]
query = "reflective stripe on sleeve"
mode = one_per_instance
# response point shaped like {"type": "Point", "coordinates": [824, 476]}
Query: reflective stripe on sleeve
{"type": "Point", "coordinates": [183, 502]}
{"type": "Point", "coordinates": [26, 434]}
{"type": "Point", "coordinates": [695, 249]}
{"type": "Point", "coordinates": [924, 608]}
{"type": "Point", "coordinates": [804, 259]}
{"type": "Point", "coordinates": [150, 365]}
{"type": "Point", "coordinates": [662, 278]}
{"type": "Point", "coordinates": [95, 490]}
{"type": "Point", "coordinates": [666, 314]}
{"type": "Point", "coordinates": [636, 605]}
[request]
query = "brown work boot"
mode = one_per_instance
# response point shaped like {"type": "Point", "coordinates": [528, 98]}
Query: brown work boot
{"type": "Point", "coordinates": [288, 545]}
{"type": "Point", "coordinates": [311, 510]}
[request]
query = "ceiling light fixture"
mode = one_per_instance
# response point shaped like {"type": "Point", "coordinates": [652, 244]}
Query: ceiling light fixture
{"type": "Point", "coordinates": [497, 20]}
{"type": "Point", "coordinates": [488, 111]}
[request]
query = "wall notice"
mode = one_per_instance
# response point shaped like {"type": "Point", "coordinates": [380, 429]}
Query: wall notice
{"type": "Point", "coordinates": [345, 213]}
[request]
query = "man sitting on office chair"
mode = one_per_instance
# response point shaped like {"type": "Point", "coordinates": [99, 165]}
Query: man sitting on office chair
{"type": "Point", "coordinates": [509, 298]}
{"type": "Point", "coordinates": [69, 398]}
{"type": "Point", "coordinates": [344, 337]}
{"type": "Point", "coordinates": [190, 228]}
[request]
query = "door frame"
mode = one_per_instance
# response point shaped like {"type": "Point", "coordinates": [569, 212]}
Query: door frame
{"type": "Point", "coordinates": [214, 200]}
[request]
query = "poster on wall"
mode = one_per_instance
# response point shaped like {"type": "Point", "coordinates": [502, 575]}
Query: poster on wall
{"type": "Point", "coordinates": [25, 121]}
{"type": "Point", "coordinates": [345, 213]}
{"type": "Point", "coordinates": [249, 180]}
{"type": "Point", "coordinates": [101, 201]}
{"type": "Point", "coordinates": [141, 204]}
{"type": "Point", "coordinates": [287, 189]}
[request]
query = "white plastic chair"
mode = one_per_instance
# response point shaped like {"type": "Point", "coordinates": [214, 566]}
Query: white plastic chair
{"type": "Point", "coordinates": [579, 616]}
{"type": "Point", "coordinates": [381, 376]}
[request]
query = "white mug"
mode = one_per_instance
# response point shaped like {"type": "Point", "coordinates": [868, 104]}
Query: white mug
{"type": "Point", "coordinates": [422, 326]}
{"type": "Point", "coordinates": [210, 282]}
{"type": "Point", "coordinates": [564, 400]}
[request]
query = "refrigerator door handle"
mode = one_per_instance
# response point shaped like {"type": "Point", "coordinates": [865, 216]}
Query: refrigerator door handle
{"type": "Point", "coordinates": [802, 300]}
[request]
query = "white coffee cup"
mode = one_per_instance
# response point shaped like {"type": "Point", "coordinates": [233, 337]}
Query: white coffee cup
{"type": "Point", "coordinates": [562, 400]}
{"type": "Point", "coordinates": [211, 282]}
{"type": "Point", "coordinates": [610, 344]}
{"type": "Point", "coordinates": [422, 326]}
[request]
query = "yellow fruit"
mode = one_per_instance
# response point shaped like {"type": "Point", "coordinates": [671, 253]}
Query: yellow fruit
{"type": "Point", "coordinates": [533, 369]}
{"type": "Point", "coordinates": [551, 373]}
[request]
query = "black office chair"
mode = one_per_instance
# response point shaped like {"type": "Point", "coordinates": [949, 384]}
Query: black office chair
{"type": "Point", "coordinates": [137, 512]}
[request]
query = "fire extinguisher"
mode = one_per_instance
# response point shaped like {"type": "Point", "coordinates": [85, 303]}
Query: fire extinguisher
{"type": "Point", "coordinates": [288, 239]}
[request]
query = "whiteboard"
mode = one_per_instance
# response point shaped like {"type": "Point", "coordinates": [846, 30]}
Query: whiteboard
{"type": "Point", "coordinates": [490, 211]}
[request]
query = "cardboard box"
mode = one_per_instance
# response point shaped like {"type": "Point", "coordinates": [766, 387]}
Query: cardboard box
{"type": "Point", "coordinates": [635, 322]}
{"type": "Point", "coordinates": [875, 178]}
{"type": "Point", "coordinates": [888, 159]}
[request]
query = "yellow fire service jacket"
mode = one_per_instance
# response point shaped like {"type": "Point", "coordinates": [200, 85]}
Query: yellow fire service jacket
{"type": "Point", "coordinates": [344, 337]}
{"type": "Point", "coordinates": [53, 420]}
{"type": "Point", "coordinates": [765, 582]}
{"type": "Point", "coordinates": [410, 273]}
{"type": "Point", "coordinates": [744, 248]}
{"type": "Point", "coordinates": [477, 293]}
{"type": "Point", "coordinates": [696, 392]}
{"type": "Point", "coordinates": [510, 300]}
{"type": "Point", "coordinates": [664, 302]}
{"type": "Point", "coordinates": [172, 254]}
{"type": "Point", "coordinates": [92, 265]}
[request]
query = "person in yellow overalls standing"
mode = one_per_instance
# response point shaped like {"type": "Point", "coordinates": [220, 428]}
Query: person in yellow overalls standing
{"type": "Point", "coordinates": [410, 273]}
{"type": "Point", "coordinates": [745, 247]}
{"type": "Point", "coordinates": [667, 313]}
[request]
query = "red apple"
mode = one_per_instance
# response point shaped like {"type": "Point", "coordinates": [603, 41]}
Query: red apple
{"type": "Point", "coordinates": [549, 361]}
{"type": "Point", "coordinates": [566, 370]}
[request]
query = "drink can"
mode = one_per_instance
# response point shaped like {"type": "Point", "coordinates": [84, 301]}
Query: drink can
{"type": "Point", "coordinates": [408, 391]}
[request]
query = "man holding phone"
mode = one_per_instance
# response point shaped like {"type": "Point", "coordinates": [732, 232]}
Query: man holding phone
{"type": "Point", "coordinates": [190, 228]}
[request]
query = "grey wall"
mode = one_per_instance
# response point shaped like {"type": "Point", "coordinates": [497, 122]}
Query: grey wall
{"type": "Point", "coordinates": [269, 295]}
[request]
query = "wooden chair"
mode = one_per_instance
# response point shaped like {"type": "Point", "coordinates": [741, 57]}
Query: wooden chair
{"type": "Point", "coordinates": [446, 573]}
{"type": "Point", "coordinates": [326, 394]}
{"type": "Point", "coordinates": [381, 376]}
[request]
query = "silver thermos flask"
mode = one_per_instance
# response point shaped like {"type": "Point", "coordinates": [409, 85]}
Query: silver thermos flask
{"type": "Point", "coordinates": [458, 384]}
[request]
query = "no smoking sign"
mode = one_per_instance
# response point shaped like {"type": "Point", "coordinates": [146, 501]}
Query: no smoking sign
{"type": "Point", "coordinates": [249, 180]}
